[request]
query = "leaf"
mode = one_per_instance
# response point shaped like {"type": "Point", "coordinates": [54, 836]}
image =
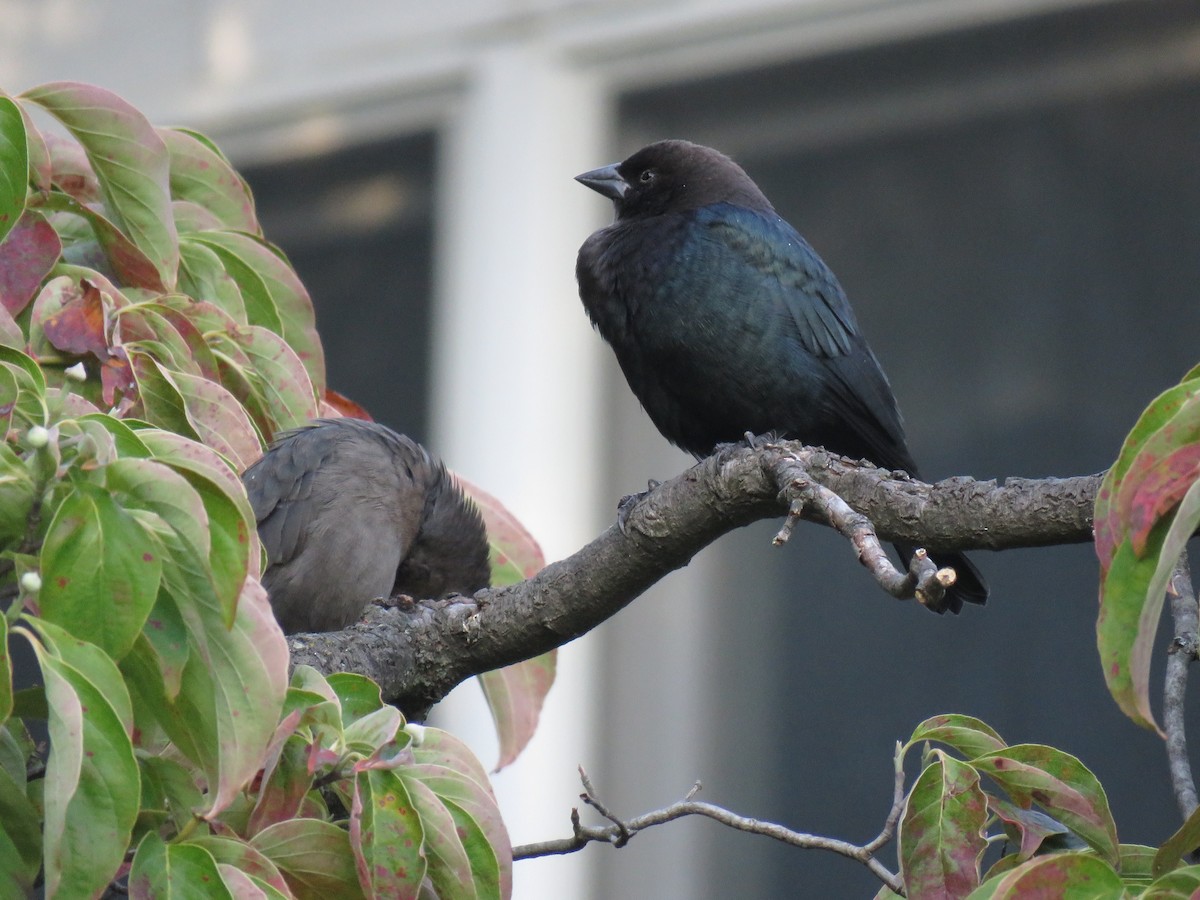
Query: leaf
{"type": "Point", "coordinates": [286, 780]}
{"type": "Point", "coordinates": [449, 865]}
{"type": "Point", "coordinates": [92, 783]}
{"type": "Point", "coordinates": [167, 786]}
{"type": "Point", "coordinates": [941, 832]}
{"type": "Point", "coordinates": [203, 176]}
{"type": "Point", "coordinates": [276, 375]}
{"type": "Point", "coordinates": [70, 170]}
{"type": "Point", "coordinates": [1182, 842]}
{"type": "Point", "coordinates": [39, 155]}
{"type": "Point", "coordinates": [160, 399]}
{"type": "Point", "coordinates": [100, 570]}
{"type": "Point", "coordinates": [969, 736]}
{"type": "Point", "coordinates": [129, 158]}
{"type": "Point", "coordinates": [26, 257]}
{"type": "Point", "coordinates": [20, 837]}
{"type": "Point", "coordinates": [1181, 884]}
{"type": "Point", "coordinates": [1068, 876]}
{"type": "Point", "coordinates": [14, 164]}
{"type": "Point", "coordinates": [357, 694]}
{"type": "Point", "coordinates": [129, 263]}
{"type": "Point", "coordinates": [1029, 829]}
{"type": "Point", "coordinates": [77, 327]}
{"type": "Point", "coordinates": [314, 857]}
{"type": "Point", "coordinates": [161, 871]}
{"type": "Point", "coordinates": [6, 686]}
{"type": "Point", "coordinates": [387, 836]}
{"type": "Point", "coordinates": [294, 320]}
{"type": "Point", "coordinates": [17, 492]}
{"type": "Point", "coordinates": [1061, 785]}
{"type": "Point", "coordinates": [245, 857]}
{"type": "Point", "coordinates": [218, 419]}
{"type": "Point", "coordinates": [514, 694]}
{"type": "Point", "coordinates": [1125, 629]}
{"type": "Point", "coordinates": [202, 276]}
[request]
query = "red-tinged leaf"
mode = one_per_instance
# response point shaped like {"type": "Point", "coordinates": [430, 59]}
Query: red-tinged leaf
{"type": "Point", "coordinates": [286, 780]}
{"type": "Point", "coordinates": [448, 864]}
{"type": "Point", "coordinates": [129, 158]}
{"type": "Point", "coordinates": [246, 887]}
{"type": "Point", "coordinates": [314, 857]}
{"type": "Point", "coordinates": [174, 870]}
{"type": "Point", "coordinates": [218, 419]}
{"type": "Point", "coordinates": [92, 788]}
{"type": "Point", "coordinates": [78, 327]}
{"type": "Point", "coordinates": [515, 695]}
{"type": "Point", "coordinates": [244, 255]}
{"type": "Point", "coordinates": [1061, 876]}
{"type": "Point", "coordinates": [515, 555]}
{"type": "Point", "coordinates": [168, 788]}
{"type": "Point", "coordinates": [334, 404]}
{"type": "Point", "coordinates": [204, 177]}
{"type": "Point", "coordinates": [1061, 785]}
{"type": "Point", "coordinates": [1161, 475]}
{"type": "Point", "coordinates": [1110, 513]}
{"type": "Point", "coordinates": [191, 217]}
{"type": "Point", "coordinates": [14, 164]}
{"type": "Point", "coordinates": [387, 836]}
{"type": "Point", "coordinates": [941, 831]}
{"type": "Point", "coordinates": [279, 376]}
{"type": "Point", "coordinates": [26, 257]}
{"type": "Point", "coordinates": [1026, 828]}
{"type": "Point", "coordinates": [244, 857]}
{"type": "Point", "coordinates": [1182, 842]}
{"type": "Point", "coordinates": [70, 170]}
{"type": "Point", "coordinates": [130, 264]}
{"type": "Point", "coordinates": [93, 542]}
{"type": "Point", "coordinates": [1125, 631]}
{"type": "Point", "coordinates": [479, 825]}
{"type": "Point", "coordinates": [435, 747]}
{"type": "Point", "coordinates": [969, 736]}
{"type": "Point", "coordinates": [39, 153]}
{"type": "Point", "coordinates": [169, 335]}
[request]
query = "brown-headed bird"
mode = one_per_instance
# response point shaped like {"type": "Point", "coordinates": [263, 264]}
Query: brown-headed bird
{"type": "Point", "coordinates": [349, 511]}
{"type": "Point", "coordinates": [725, 321]}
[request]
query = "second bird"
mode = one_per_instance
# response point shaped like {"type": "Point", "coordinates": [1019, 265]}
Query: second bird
{"type": "Point", "coordinates": [725, 321]}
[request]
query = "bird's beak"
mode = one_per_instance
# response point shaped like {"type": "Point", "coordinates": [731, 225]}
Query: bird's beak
{"type": "Point", "coordinates": [606, 181]}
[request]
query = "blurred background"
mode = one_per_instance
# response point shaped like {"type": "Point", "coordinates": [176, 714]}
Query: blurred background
{"type": "Point", "coordinates": [1010, 193]}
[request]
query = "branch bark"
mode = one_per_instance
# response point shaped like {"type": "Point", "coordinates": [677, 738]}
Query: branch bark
{"type": "Point", "coordinates": [418, 652]}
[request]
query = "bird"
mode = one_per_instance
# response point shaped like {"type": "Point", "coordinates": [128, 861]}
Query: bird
{"type": "Point", "coordinates": [726, 322]}
{"type": "Point", "coordinates": [349, 510]}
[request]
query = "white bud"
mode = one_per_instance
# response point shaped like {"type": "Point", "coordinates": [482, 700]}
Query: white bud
{"type": "Point", "coordinates": [31, 582]}
{"type": "Point", "coordinates": [416, 732]}
{"type": "Point", "coordinates": [37, 437]}
{"type": "Point", "coordinates": [76, 372]}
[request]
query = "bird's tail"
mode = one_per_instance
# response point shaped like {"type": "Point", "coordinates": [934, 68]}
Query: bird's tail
{"type": "Point", "coordinates": [969, 587]}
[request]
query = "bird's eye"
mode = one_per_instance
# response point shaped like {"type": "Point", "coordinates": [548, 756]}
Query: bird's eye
{"type": "Point", "coordinates": [647, 176]}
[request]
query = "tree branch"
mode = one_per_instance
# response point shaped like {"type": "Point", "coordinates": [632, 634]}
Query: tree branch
{"type": "Point", "coordinates": [621, 830]}
{"type": "Point", "coordinates": [419, 653]}
{"type": "Point", "coordinates": [1179, 658]}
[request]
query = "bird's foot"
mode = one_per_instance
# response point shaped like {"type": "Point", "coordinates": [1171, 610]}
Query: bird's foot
{"type": "Point", "coordinates": [627, 503]}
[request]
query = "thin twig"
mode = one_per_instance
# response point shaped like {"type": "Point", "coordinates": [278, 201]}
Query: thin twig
{"type": "Point", "coordinates": [622, 830]}
{"type": "Point", "coordinates": [1179, 657]}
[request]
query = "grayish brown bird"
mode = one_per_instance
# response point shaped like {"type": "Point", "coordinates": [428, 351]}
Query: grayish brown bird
{"type": "Point", "coordinates": [725, 321]}
{"type": "Point", "coordinates": [349, 511]}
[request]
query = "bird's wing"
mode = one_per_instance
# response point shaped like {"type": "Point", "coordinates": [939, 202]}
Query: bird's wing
{"type": "Point", "coordinates": [792, 271]}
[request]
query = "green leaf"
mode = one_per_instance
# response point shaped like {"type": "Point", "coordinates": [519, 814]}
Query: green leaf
{"type": "Point", "coordinates": [1061, 785]}
{"type": "Point", "coordinates": [1064, 876]}
{"type": "Point", "coordinates": [17, 491]}
{"type": "Point", "coordinates": [286, 308]}
{"type": "Point", "coordinates": [92, 785]}
{"type": "Point", "coordinates": [357, 694]}
{"type": "Point", "coordinates": [372, 731]}
{"type": "Point", "coordinates": [218, 418]}
{"type": "Point", "coordinates": [168, 787]}
{"type": "Point", "coordinates": [1181, 884]}
{"type": "Point", "coordinates": [276, 376]}
{"type": "Point", "coordinates": [14, 165]}
{"type": "Point", "coordinates": [967, 735]}
{"type": "Point", "coordinates": [100, 570]}
{"type": "Point", "coordinates": [203, 277]}
{"type": "Point", "coordinates": [20, 837]}
{"type": "Point", "coordinates": [449, 865]}
{"type": "Point", "coordinates": [165, 871]}
{"type": "Point", "coordinates": [387, 835]}
{"type": "Point", "coordinates": [314, 856]}
{"type": "Point", "coordinates": [1125, 631]}
{"type": "Point", "coordinates": [129, 158]}
{"type": "Point", "coordinates": [1183, 841]}
{"type": "Point", "coordinates": [6, 688]}
{"type": "Point", "coordinates": [161, 401]}
{"type": "Point", "coordinates": [286, 781]}
{"type": "Point", "coordinates": [941, 832]}
{"type": "Point", "coordinates": [203, 176]}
